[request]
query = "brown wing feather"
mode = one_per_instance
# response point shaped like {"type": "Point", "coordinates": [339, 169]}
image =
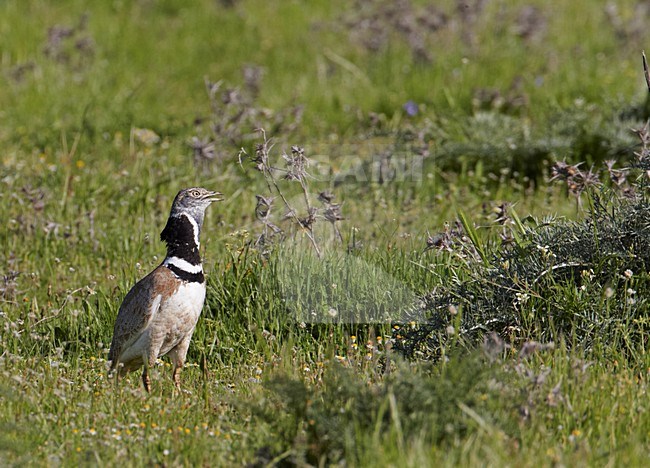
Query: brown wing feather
{"type": "Point", "coordinates": [136, 311]}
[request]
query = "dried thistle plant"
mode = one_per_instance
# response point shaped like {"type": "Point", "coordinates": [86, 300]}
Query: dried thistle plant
{"type": "Point", "coordinates": [626, 30]}
{"type": "Point", "coordinates": [446, 240]}
{"type": "Point", "coordinates": [577, 180]}
{"type": "Point", "coordinates": [376, 23]}
{"type": "Point", "coordinates": [235, 117]}
{"type": "Point", "coordinates": [203, 149]}
{"type": "Point", "coordinates": [303, 215]}
{"type": "Point", "coordinates": [642, 161]}
{"type": "Point", "coordinates": [70, 45]}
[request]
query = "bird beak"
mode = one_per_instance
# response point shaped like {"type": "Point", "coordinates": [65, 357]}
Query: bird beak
{"type": "Point", "coordinates": [214, 196]}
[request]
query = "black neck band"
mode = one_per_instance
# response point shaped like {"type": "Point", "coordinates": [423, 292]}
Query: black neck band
{"type": "Point", "coordinates": [186, 275]}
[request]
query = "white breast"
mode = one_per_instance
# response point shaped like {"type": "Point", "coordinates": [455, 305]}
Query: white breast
{"type": "Point", "coordinates": [179, 314]}
{"type": "Point", "coordinates": [188, 299]}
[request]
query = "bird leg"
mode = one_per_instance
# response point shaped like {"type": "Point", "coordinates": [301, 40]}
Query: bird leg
{"type": "Point", "coordinates": [177, 356]}
{"type": "Point", "coordinates": [176, 376]}
{"type": "Point", "coordinates": [146, 380]}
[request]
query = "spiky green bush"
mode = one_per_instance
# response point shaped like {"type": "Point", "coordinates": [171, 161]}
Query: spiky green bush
{"type": "Point", "coordinates": [583, 281]}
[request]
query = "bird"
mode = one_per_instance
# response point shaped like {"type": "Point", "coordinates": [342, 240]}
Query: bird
{"type": "Point", "coordinates": [159, 314]}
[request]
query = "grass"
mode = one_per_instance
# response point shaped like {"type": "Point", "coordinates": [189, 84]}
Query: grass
{"type": "Point", "coordinates": [296, 359]}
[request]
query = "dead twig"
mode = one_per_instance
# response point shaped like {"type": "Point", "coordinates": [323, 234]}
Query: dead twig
{"type": "Point", "coordinates": [645, 71]}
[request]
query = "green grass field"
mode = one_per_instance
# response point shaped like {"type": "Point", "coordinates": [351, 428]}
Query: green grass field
{"type": "Point", "coordinates": [476, 305]}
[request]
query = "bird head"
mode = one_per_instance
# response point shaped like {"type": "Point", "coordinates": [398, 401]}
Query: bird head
{"type": "Point", "coordinates": [193, 202]}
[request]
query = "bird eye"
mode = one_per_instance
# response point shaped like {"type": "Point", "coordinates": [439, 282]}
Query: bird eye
{"type": "Point", "coordinates": [195, 193]}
